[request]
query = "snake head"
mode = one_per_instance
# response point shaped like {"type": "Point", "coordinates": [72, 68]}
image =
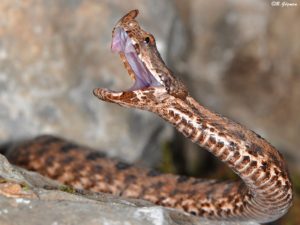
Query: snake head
{"type": "Point", "coordinates": [153, 81]}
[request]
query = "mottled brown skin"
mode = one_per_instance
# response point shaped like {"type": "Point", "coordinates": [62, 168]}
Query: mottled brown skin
{"type": "Point", "coordinates": [263, 194]}
{"type": "Point", "coordinates": [84, 168]}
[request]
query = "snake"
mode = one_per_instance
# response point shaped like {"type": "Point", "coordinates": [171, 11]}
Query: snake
{"type": "Point", "coordinates": [262, 194]}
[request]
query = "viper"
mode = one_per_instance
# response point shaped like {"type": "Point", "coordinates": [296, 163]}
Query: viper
{"type": "Point", "coordinates": [263, 193]}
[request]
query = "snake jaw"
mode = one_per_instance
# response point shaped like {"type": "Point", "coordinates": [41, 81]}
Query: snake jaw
{"type": "Point", "coordinates": [137, 49]}
{"type": "Point", "coordinates": [129, 53]}
{"type": "Point", "coordinates": [145, 86]}
{"type": "Point", "coordinates": [147, 99]}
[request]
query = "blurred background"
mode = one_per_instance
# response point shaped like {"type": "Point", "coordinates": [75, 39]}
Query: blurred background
{"type": "Point", "coordinates": [238, 58]}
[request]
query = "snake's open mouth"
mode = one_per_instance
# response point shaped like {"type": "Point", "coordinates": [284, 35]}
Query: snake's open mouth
{"type": "Point", "coordinates": [122, 44]}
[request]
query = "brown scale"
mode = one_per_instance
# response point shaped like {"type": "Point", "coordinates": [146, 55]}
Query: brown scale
{"type": "Point", "coordinates": [85, 168]}
{"type": "Point", "coordinates": [259, 165]}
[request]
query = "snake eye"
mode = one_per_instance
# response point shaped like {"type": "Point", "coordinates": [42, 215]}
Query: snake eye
{"type": "Point", "coordinates": [147, 40]}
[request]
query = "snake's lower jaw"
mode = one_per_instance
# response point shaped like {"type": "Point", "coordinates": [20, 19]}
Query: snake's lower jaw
{"type": "Point", "coordinates": [124, 98]}
{"type": "Point", "coordinates": [105, 94]}
{"type": "Point", "coordinates": [146, 98]}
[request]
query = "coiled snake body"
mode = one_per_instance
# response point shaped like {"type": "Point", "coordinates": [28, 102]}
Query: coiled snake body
{"type": "Point", "coordinates": [263, 194]}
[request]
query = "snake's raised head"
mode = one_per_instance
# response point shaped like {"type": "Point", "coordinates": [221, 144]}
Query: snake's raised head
{"type": "Point", "coordinates": [153, 81]}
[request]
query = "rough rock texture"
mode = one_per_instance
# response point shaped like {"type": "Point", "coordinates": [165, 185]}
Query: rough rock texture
{"type": "Point", "coordinates": [22, 194]}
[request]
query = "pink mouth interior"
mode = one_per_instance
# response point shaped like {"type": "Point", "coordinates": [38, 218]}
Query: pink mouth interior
{"type": "Point", "coordinates": [122, 43]}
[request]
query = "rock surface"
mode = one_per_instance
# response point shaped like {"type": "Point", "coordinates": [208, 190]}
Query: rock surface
{"type": "Point", "coordinates": [23, 193]}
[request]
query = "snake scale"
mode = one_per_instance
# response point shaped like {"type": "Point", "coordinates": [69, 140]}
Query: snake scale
{"type": "Point", "coordinates": [263, 194]}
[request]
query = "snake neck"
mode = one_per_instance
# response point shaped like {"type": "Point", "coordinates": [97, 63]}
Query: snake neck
{"type": "Point", "coordinates": [268, 190]}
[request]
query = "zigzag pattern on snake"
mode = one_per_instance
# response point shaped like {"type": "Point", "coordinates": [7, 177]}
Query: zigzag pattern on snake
{"type": "Point", "coordinates": [263, 194]}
